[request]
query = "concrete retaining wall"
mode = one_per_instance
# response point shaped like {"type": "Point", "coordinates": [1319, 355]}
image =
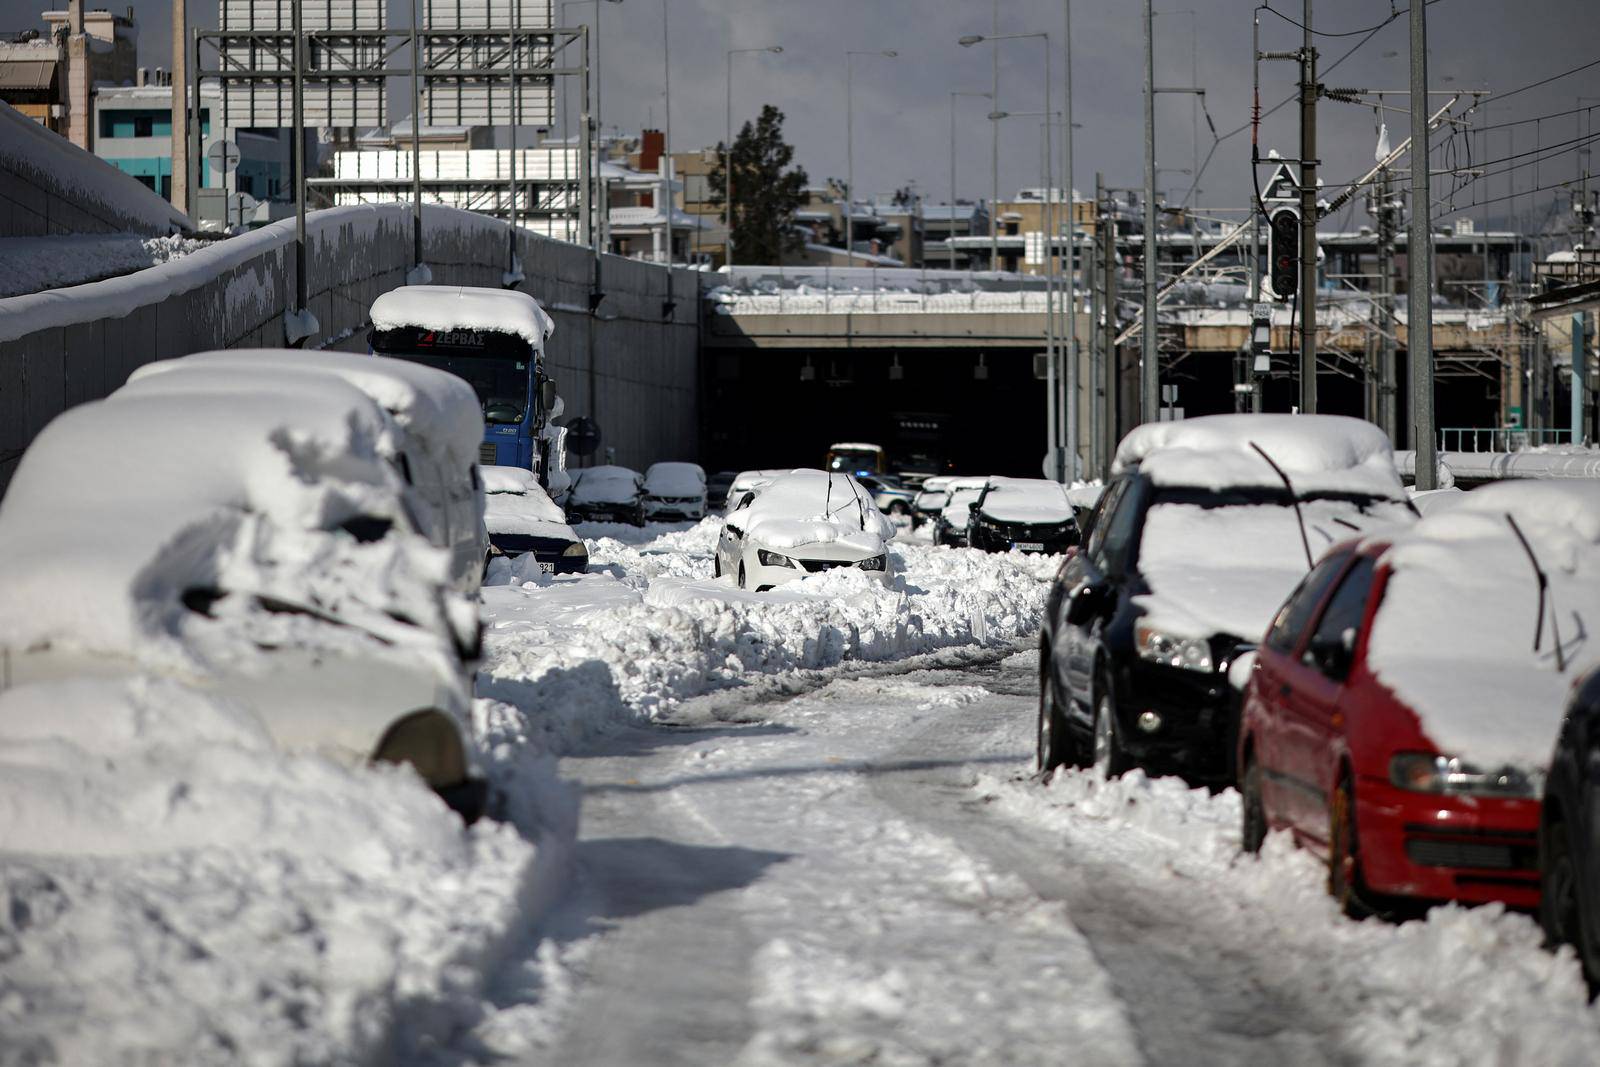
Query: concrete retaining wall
{"type": "Point", "coordinates": [68, 346]}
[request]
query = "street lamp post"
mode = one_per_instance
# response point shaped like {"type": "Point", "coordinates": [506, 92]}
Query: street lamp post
{"type": "Point", "coordinates": [666, 136]}
{"type": "Point", "coordinates": [849, 151]}
{"type": "Point", "coordinates": [950, 233]}
{"type": "Point", "coordinates": [727, 158]}
{"type": "Point", "coordinates": [602, 196]}
{"type": "Point", "coordinates": [1052, 439]}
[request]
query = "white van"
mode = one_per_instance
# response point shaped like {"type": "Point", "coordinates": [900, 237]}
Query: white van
{"type": "Point", "coordinates": [436, 412]}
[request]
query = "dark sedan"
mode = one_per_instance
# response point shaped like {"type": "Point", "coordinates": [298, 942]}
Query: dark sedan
{"type": "Point", "coordinates": [1029, 514]}
{"type": "Point", "coordinates": [1569, 837]}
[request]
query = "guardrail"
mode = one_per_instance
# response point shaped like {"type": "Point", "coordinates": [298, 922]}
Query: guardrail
{"type": "Point", "coordinates": [1499, 438]}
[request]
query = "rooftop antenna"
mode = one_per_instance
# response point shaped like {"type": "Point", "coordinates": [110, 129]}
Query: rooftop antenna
{"type": "Point", "coordinates": [1544, 585]}
{"type": "Point", "coordinates": [1305, 542]}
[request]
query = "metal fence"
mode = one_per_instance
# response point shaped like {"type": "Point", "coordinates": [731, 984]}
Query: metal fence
{"type": "Point", "coordinates": [1500, 439]}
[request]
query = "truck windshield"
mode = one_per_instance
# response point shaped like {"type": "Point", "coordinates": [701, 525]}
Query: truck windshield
{"type": "Point", "coordinates": [497, 365]}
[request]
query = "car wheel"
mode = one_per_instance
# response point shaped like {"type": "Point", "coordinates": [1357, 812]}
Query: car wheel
{"type": "Point", "coordinates": [899, 509]}
{"type": "Point", "coordinates": [1559, 910]}
{"type": "Point", "coordinates": [1109, 758]}
{"type": "Point", "coordinates": [1344, 856]}
{"type": "Point", "coordinates": [1253, 830]}
{"type": "Point", "coordinates": [741, 576]}
{"type": "Point", "coordinates": [1055, 746]}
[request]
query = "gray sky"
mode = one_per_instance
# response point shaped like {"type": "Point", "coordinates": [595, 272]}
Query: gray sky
{"type": "Point", "coordinates": [902, 106]}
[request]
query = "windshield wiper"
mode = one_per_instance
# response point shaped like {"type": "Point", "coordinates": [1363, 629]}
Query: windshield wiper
{"type": "Point", "coordinates": [1305, 542]}
{"type": "Point", "coordinates": [1544, 585]}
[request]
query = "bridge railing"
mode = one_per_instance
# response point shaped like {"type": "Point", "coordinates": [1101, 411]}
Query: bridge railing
{"type": "Point", "coordinates": [1499, 438]}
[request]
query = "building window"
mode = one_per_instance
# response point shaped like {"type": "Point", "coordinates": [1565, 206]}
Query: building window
{"type": "Point", "coordinates": [694, 189]}
{"type": "Point", "coordinates": [148, 180]}
{"type": "Point", "coordinates": [143, 126]}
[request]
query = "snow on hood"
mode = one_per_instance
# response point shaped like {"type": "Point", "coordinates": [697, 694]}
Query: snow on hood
{"type": "Point", "coordinates": [675, 479]}
{"type": "Point", "coordinates": [605, 485]}
{"type": "Point", "coordinates": [436, 409]}
{"type": "Point", "coordinates": [515, 503]}
{"type": "Point", "coordinates": [756, 479]}
{"type": "Point", "coordinates": [1454, 635]}
{"type": "Point", "coordinates": [1320, 453]}
{"type": "Point", "coordinates": [240, 489]}
{"type": "Point", "coordinates": [807, 507]}
{"type": "Point", "coordinates": [459, 307]}
{"type": "Point", "coordinates": [1227, 570]}
{"type": "Point", "coordinates": [1026, 500]}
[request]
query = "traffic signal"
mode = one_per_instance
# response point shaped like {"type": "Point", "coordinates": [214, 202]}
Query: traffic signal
{"type": "Point", "coordinates": [1283, 249]}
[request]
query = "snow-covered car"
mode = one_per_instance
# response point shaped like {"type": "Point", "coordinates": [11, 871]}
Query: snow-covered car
{"type": "Point", "coordinates": [606, 494]}
{"type": "Point", "coordinates": [930, 500]}
{"type": "Point", "coordinates": [522, 518]}
{"type": "Point", "coordinates": [247, 535]}
{"type": "Point", "coordinates": [1028, 514]}
{"type": "Point", "coordinates": [674, 491]}
{"type": "Point", "coordinates": [804, 522]}
{"type": "Point", "coordinates": [435, 413]}
{"type": "Point", "coordinates": [1402, 709]}
{"type": "Point", "coordinates": [889, 494]}
{"type": "Point", "coordinates": [950, 528]}
{"type": "Point", "coordinates": [1083, 498]}
{"type": "Point", "coordinates": [747, 483]}
{"type": "Point", "coordinates": [717, 486]}
{"type": "Point", "coordinates": [1206, 526]}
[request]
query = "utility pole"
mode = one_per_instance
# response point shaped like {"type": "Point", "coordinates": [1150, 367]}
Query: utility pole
{"type": "Point", "coordinates": [1073, 386]}
{"type": "Point", "coordinates": [1388, 381]}
{"type": "Point", "coordinates": [1419, 258]}
{"type": "Point", "coordinates": [180, 109]}
{"type": "Point", "coordinates": [1308, 217]}
{"type": "Point", "coordinates": [1149, 370]}
{"type": "Point", "coordinates": [1110, 363]}
{"type": "Point", "coordinates": [416, 142]}
{"type": "Point", "coordinates": [1094, 339]}
{"type": "Point", "coordinates": [994, 147]}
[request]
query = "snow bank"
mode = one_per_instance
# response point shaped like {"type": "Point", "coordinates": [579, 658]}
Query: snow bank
{"type": "Point", "coordinates": [33, 264]}
{"type": "Point", "coordinates": [1460, 986]}
{"type": "Point", "coordinates": [1320, 453]}
{"type": "Point", "coordinates": [455, 307]}
{"type": "Point", "coordinates": [1454, 635]}
{"type": "Point", "coordinates": [180, 891]}
{"type": "Point", "coordinates": [649, 627]}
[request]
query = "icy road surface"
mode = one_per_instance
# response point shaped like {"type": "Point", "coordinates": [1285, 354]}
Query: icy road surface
{"type": "Point", "coordinates": [789, 856]}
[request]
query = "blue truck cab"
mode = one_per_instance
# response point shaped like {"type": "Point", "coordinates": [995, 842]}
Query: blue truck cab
{"type": "Point", "coordinates": [494, 339]}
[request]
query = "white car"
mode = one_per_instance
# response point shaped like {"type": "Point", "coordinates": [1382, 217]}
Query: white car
{"type": "Point", "coordinates": [436, 414]}
{"type": "Point", "coordinates": [803, 522]}
{"type": "Point", "coordinates": [674, 491]}
{"type": "Point", "coordinates": [522, 518]}
{"type": "Point", "coordinates": [247, 535]}
{"type": "Point", "coordinates": [889, 494]}
{"type": "Point", "coordinates": [606, 494]}
{"type": "Point", "coordinates": [748, 483]}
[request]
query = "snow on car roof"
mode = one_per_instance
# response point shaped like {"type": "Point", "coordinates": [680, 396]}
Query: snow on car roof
{"type": "Point", "coordinates": [1320, 453]}
{"type": "Point", "coordinates": [855, 445]}
{"type": "Point", "coordinates": [460, 307]}
{"type": "Point", "coordinates": [1454, 634]}
{"type": "Point", "coordinates": [515, 503]}
{"type": "Point", "coordinates": [499, 479]}
{"type": "Point", "coordinates": [675, 479]}
{"type": "Point", "coordinates": [1028, 500]}
{"type": "Point", "coordinates": [747, 480]}
{"type": "Point", "coordinates": [807, 506]}
{"type": "Point", "coordinates": [181, 476]}
{"type": "Point", "coordinates": [604, 484]}
{"type": "Point", "coordinates": [437, 408]}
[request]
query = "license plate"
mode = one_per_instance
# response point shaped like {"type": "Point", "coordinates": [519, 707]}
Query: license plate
{"type": "Point", "coordinates": [548, 568]}
{"type": "Point", "coordinates": [1031, 546]}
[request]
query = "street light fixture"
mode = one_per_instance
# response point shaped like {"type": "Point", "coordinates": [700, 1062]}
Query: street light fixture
{"type": "Point", "coordinates": [849, 150]}
{"type": "Point", "coordinates": [727, 158]}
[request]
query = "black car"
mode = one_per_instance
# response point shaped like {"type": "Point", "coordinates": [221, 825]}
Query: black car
{"type": "Point", "coordinates": [1569, 849]}
{"type": "Point", "coordinates": [1029, 514]}
{"type": "Point", "coordinates": [950, 526]}
{"type": "Point", "coordinates": [1136, 675]}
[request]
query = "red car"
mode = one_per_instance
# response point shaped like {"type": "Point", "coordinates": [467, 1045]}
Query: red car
{"type": "Point", "coordinates": [1330, 752]}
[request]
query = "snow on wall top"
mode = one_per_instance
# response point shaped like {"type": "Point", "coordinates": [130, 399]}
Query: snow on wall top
{"type": "Point", "coordinates": [60, 168]}
{"type": "Point", "coordinates": [1454, 635]}
{"type": "Point", "coordinates": [1320, 453]}
{"type": "Point", "coordinates": [236, 488]}
{"type": "Point", "coordinates": [460, 307]}
{"type": "Point", "coordinates": [436, 408]}
{"type": "Point", "coordinates": [806, 507]}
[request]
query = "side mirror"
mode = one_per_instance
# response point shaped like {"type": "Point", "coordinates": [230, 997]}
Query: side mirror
{"type": "Point", "coordinates": [1087, 602]}
{"type": "Point", "coordinates": [547, 394]}
{"type": "Point", "coordinates": [1333, 655]}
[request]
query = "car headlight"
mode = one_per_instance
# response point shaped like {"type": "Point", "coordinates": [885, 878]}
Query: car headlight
{"type": "Point", "coordinates": [772, 559]}
{"type": "Point", "coordinates": [577, 548]}
{"type": "Point", "coordinates": [1424, 772]}
{"type": "Point", "coordinates": [874, 563]}
{"type": "Point", "coordinates": [1171, 650]}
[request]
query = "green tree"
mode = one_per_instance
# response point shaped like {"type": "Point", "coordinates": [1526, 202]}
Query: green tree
{"type": "Point", "coordinates": [767, 191]}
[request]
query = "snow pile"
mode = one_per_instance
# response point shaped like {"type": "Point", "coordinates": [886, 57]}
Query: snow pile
{"type": "Point", "coordinates": [180, 891]}
{"type": "Point", "coordinates": [1455, 633]}
{"type": "Point", "coordinates": [649, 627]}
{"type": "Point", "coordinates": [34, 264]}
{"type": "Point", "coordinates": [451, 307]}
{"type": "Point", "coordinates": [1319, 453]}
{"type": "Point", "coordinates": [1413, 994]}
